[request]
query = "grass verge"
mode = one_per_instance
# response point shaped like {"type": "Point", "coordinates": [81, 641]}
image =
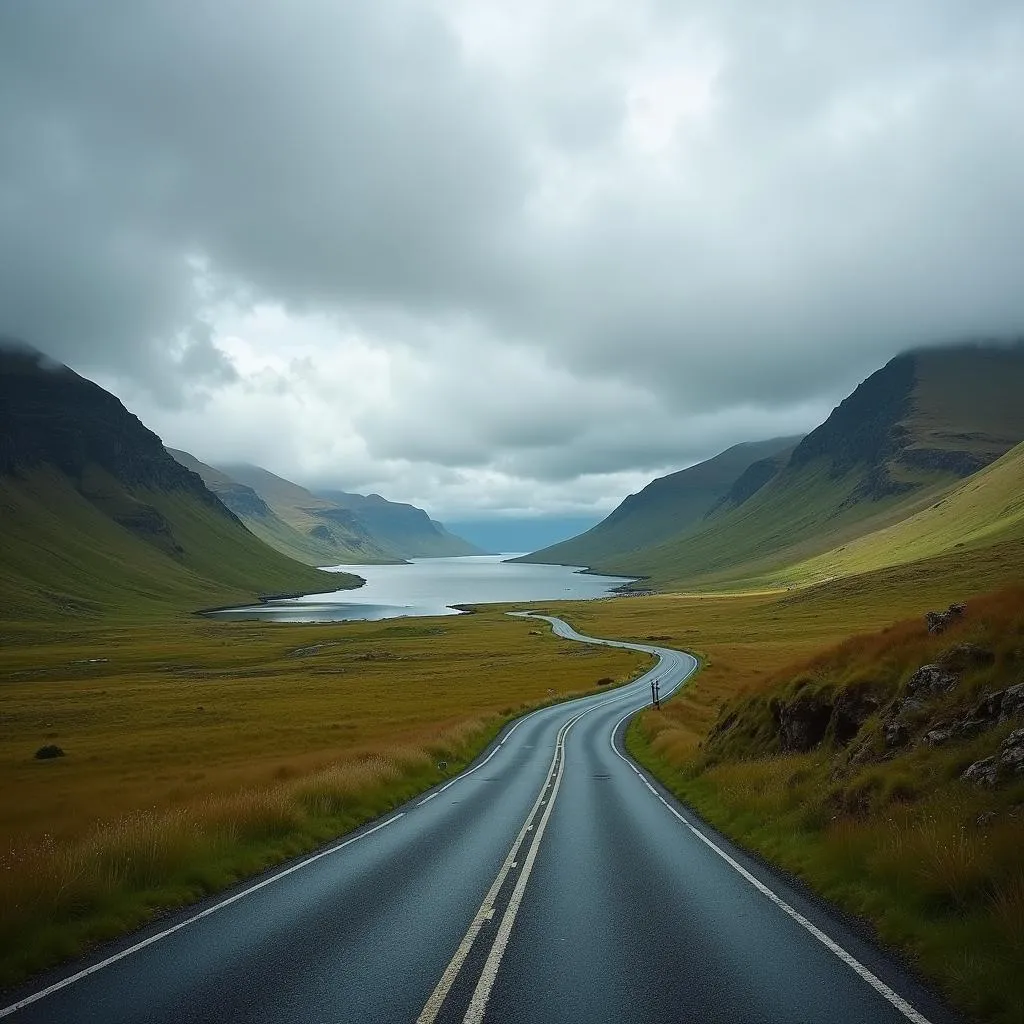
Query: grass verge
{"type": "Point", "coordinates": [892, 834]}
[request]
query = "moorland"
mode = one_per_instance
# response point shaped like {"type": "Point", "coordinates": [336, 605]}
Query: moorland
{"type": "Point", "coordinates": [832, 728]}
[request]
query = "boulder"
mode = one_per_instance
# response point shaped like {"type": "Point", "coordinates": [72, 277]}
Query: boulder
{"type": "Point", "coordinates": [803, 721]}
{"type": "Point", "coordinates": [972, 726]}
{"type": "Point", "coordinates": [1011, 753]}
{"type": "Point", "coordinates": [852, 709]}
{"type": "Point", "coordinates": [986, 714]}
{"type": "Point", "coordinates": [1012, 703]}
{"type": "Point", "coordinates": [930, 681]}
{"type": "Point", "coordinates": [940, 734]}
{"type": "Point", "coordinates": [896, 734]}
{"type": "Point", "coordinates": [938, 622]}
{"type": "Point", "coordinates": [983, 772]}
{"type": "Point", "coordinates": [902, 719]}
{"type": "Point", "coordinates": [997, 707]}
{"type": "Point", "coordinates": [960, 657]}
{"type": "Point", "coordinates": [1006, 763]}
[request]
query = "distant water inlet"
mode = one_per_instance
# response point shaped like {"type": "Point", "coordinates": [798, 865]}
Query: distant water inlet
{"type": "Point", "coordinates": [431, 586]}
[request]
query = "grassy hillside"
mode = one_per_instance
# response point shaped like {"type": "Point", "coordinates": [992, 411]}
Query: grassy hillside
{"type": "Point", "coordinates": [667, 507]}
{"type": "Point", "coordinates": [63, 557]}
{"type": "Point", "coordinates": [335, 530]}
{"type": "Point", "coordinates": [258, 516]}
{"type": "Point", "coordinates": [809, 511]}
{"type": "Point", "coordinates": [402, 528]}
{"type": "Point", "coordinates": [984, 509]}
{"type": "Point", "coordinates": [890, 787]}
{"type": "Point", "coordinates": [98, 518]}
{"type": "Point", "coordinates": [908, 433]}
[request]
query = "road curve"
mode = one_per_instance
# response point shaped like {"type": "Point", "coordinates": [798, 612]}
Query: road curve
{"type": "Point", "coordinates": [552, 881]}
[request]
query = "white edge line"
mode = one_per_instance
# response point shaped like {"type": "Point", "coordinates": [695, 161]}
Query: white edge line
{"type": "Point", "coordinates": [65, 982]}
{"type": "Point", "coordinates": [908, 1011]}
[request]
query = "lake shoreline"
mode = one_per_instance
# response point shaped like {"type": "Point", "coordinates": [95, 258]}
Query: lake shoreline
{"type": "Point", "coordinates": [430, 587]}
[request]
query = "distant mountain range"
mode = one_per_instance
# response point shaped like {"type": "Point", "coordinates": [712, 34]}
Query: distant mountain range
{"type": "Point", "coordinates": [671, 504]}
{"type": "Point", "coordinates": [899, 444]}
{"type": "Point", "coordinates": [330, 528]}
{"type": "Point", "coordinates": [405, 529]}
{"type": "Point", "coordinates": [924, 460]}
{"type": "Point", "coordinates": [97, 517]}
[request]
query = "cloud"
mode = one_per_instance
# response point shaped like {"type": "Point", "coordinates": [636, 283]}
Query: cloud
{"type": "Point", "coordinates": [488, 254]}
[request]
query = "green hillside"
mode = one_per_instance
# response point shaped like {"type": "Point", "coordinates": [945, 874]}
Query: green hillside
{"type": "Point", "coordinates": [404, 529]}
{"type": "Point", "coordinates": [912, 430]}
{"type": "Point", "coordinates": [98, 519]}
{"type": "Point", "coordinates": [671, 505]}
{"type": "Point", "coordinates": [259, 517]}
{"type": "Point", "coordinates": [985, 509]}
{"type": "Point", "coordinates": [335, 531]}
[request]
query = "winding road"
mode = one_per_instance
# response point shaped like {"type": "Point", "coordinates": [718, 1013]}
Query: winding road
{"type": "Point", "coordinates": [553, 881]}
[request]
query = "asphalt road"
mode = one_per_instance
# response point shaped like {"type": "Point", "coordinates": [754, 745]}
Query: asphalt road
{"type": "Point", "coordinates": [551, 882]}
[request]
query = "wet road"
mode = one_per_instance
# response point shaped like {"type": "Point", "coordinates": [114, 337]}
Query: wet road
{"type": "Point", "coordinates": [551, 882]}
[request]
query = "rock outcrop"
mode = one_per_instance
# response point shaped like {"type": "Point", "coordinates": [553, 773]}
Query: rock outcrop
{"type": "Point", "coordinates": [930, 681]}
{"type": "Point", "coordinates": [854, 706]}
{"type": "Point", "coordinates": [802, 721]}
{"type": "Point", "coordinates": [910, 712]}
{"type": "Point", "coordinates": [1006, 763]}
{"type": "Point", "coordinates": [989, 712]}
{"type": "Point", "coordinates": [939, 622]}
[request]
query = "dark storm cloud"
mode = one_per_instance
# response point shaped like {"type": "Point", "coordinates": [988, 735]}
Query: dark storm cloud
{"type": "Point", "coordinates": [533, 242]}
{"type": "Point", "coordinates": [312, 153]}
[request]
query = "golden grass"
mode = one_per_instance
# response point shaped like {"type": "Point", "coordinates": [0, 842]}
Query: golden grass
{"type": "Point", "coordinates": [177, 713]}
{"type": "Point", "coordinates": [200, 751]}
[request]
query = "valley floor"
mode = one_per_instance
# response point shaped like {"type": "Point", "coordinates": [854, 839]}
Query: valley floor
{"type": "Point", "coordinates": [197, 752]}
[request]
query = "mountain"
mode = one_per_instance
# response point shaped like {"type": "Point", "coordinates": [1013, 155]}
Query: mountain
{"type": "Point", "coordinates": [260, 518]}
{"type": "Point", "coordinates": [331, 534]}
{"type": "Point", "coordinates": [903, 438]}
{"type": "Point", "coordinates": [404, 529]}
{"type": "Point", "coordinates": [985, 509]}
{"type": "Point", "coordinates": [97, 517]}
{"type": "Point", "coordinates": [672, 504]}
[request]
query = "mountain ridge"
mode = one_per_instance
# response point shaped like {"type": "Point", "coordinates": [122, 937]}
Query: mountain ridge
{"type": "Point", "coordinates": [666, 506]}
{"type": "Point", "coordinates": [99, 519]}
{"type": "Point", "coordinates": [406, 529]}
{"type": "Point", "coordinates": [910, 431]}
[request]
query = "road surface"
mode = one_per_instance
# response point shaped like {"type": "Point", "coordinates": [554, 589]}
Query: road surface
{"type": "Point", "coordinates": [552, 881]}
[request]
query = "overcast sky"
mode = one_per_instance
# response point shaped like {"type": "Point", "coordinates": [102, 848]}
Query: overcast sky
{"type": "Point", "coordinates": [503, 256]}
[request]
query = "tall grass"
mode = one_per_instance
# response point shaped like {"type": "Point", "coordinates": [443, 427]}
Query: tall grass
{"type": "Point", "coordinates": [201, 752]}
{"type": "Point", "coordinates": [57, 896]}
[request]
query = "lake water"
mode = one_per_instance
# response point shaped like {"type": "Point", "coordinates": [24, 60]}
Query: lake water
{"type": "Point", "coordinates": [430, 586]}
